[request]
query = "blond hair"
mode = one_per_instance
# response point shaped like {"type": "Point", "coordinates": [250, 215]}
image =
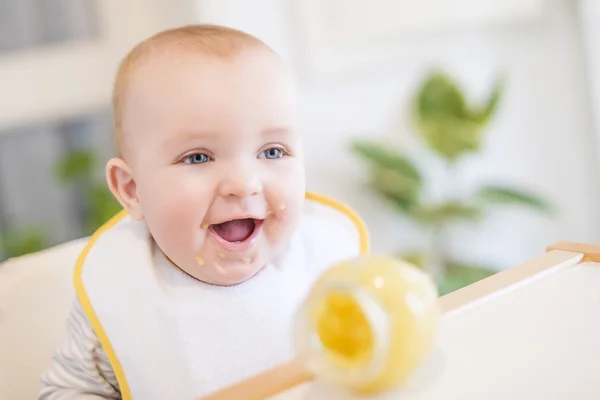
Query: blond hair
{"type": "Point", "coordinates": [212, 40]}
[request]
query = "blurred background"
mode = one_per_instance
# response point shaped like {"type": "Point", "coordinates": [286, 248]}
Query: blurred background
{"type": "Point", "coordinates": [464, 132]}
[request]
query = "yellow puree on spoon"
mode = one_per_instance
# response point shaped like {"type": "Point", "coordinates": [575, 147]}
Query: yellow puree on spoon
{"type": "Point", "coordinates": [368, 323]}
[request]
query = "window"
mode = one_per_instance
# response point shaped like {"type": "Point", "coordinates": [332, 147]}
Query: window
{"type": "Point", "coordinates": [57, 64]}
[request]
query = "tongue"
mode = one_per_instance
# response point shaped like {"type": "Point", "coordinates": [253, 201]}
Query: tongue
{"type": "Point", "coordinates": [235, 231]}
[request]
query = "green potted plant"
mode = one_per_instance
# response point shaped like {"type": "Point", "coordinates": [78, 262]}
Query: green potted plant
{"type": "Point", "coordinates": [77, 169]}
{"type": "Point", "coordinates": [16, 243]}
{"type": "Point", "coordinates": [451, 129]}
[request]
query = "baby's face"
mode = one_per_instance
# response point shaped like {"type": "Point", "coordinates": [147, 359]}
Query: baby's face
{"type": "Point", "coordinates": [217, 160]}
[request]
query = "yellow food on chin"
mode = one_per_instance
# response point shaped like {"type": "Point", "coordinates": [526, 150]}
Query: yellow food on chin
{"type": "Point", "coordinates": [204, 226]}
{"type": "Point", "coordinates": [200, 260]}
{"type": "Point", "coordinates": [245, 260]}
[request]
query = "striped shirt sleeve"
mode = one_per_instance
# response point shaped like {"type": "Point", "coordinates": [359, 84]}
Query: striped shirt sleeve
{"type": "Point", "coordinates": [79, 369]}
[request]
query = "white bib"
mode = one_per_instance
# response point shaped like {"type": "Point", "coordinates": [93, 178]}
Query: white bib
{"type": "Point", "coordinates": [170, 336]}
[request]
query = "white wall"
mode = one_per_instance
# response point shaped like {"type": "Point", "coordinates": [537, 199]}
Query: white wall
{"type": "Point", "coordinates": [589, 15]}
{"type": "Point", "coordinates": [544, 124]}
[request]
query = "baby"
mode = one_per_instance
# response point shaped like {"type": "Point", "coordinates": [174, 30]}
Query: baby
{"type": "Point", "coordinates": [194, 286]}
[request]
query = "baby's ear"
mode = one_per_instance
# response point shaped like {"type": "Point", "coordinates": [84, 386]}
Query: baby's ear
{"type": "Point", "coordinates": [122, 185]}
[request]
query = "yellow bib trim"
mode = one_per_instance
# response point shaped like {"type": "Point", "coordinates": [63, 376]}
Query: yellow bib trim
{"type": "Point", "coordinates": [86, 304]}
{"type": "Point", "coordinates": [95, 321]}
{"type": "Point", "coordinates": [349, 212]}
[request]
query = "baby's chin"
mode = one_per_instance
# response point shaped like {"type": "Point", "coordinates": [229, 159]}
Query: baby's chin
{"type": "Point", "coordinates": [228, 274]}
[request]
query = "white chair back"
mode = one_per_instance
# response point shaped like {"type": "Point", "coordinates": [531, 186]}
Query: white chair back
{"type": "Point", "coordinates": [36, 294]}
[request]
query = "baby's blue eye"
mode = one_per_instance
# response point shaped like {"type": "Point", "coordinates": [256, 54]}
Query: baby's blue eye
{"type": "Point", "coordinates": [272, 153]}
{"type": "Point", "coordinates": [197, 158]}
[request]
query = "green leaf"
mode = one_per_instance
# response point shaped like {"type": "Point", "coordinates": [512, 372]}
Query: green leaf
{"type": "Point", "coordinates": [390, 182]}
{"type": "Point", "coordinates": [403, 203]}
{"type": "Point", "coordinates": [444, 120]}
{"type": "Point", "coordinates": [505, 195]}
{"type": "Point", "coordinates": [383, 157]}
{"type": "Point", "coordinates": [21, 242]}
{"type": "Point", "coordinates": [458, 275]}
{"type": "Point", "coordinates": [439, 96]}
{"type": "Point", "coordinates": [392, 175]}
{"type": "Point", "coordinates": [449, 136]}
{"type": "Point", "coordinates": [416, 258]}
{"type": "Point", "coordinates": [400, 192]}
{"type": "Point", "coordinates": [447, 212]}
{"type": "Point", "coordinates": [491, 106]}
{"type": "Point", "coordinates": [77, 164]}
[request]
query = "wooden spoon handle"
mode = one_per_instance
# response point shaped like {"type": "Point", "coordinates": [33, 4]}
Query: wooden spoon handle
{"type": "Point", "coordinates": [266, 384]}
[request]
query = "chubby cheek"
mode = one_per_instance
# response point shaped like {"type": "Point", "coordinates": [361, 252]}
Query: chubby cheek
{"type": "Point", "coordinates": [286, 205]}
{"type": "Point", "coordinates": [174, 212]}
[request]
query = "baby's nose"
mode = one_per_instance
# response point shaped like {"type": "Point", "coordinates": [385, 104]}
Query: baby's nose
{"type": "Point", "coordinates": [240, 183]}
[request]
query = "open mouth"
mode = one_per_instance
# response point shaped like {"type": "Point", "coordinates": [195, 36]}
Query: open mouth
{"type": "Point", "coordinates": [238, 230]}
